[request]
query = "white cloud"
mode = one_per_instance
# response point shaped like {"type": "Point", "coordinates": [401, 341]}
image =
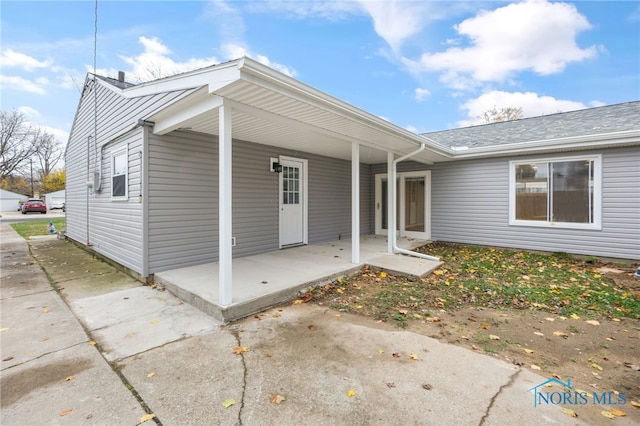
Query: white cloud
{"type": "Point", "coordinates": [421, 94]}
{"type": "Point", "coordinates": [11, 58]}
{"type": "Point", "coordinates": [533, 35]}
{"type": "Point", "coordinates": [155, 62]}
{"type": "Point", "coordinates": [20, 84]}
{"type": "Point", "coordinates": [532, 105]}
{"type": "Point", "coordinates": [28, 112]}
{"type": "Point", "coordinates": [395, 21]}
{"type": "Point", "coordinates": [332, 9]}
{"type": "Point", "coordinates": [235, 51]}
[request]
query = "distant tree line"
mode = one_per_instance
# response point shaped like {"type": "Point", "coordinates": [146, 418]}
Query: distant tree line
{"type": "Point", "coordinates": [28, 157]}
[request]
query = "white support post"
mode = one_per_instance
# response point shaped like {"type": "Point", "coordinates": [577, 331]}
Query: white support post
{"type": "Point", "coordinates": [224, 208]}
{"type": "Point", "coordinates": [391, 203]}
{"type": "Point", "coordinates": [355, 202]}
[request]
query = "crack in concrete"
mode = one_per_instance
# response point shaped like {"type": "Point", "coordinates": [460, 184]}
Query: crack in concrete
{"type": "Point", "coordinates": [512, 379]}
{"type": "Point", "coordinates": [45, 354]}
{"type": "Point", "coordinates": [236, 334]}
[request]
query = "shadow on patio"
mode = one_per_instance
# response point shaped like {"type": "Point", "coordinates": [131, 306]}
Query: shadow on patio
{"type": "Point", "coordinates": [267, 279]}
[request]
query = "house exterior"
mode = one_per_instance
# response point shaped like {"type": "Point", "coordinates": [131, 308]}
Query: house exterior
{"type": "Point", "coordinates": [237, 159]}
{"type": "Point", "coordinates": [9, 201]}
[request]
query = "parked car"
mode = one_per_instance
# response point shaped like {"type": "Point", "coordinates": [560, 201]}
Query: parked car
{"type": "Point", "coordinates": [34, 205]}
{"type": "Point", "coordinates": [59, 205]}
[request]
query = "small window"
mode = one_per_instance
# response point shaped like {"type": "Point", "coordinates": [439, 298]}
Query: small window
{"type": "Point", "coordinates": [563, 192]}
{"type": "Point", "coordinates": [119, 175]}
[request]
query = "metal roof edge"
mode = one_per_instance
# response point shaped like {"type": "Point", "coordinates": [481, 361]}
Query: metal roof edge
{"type": "Point", "coordinates": [603, 140]}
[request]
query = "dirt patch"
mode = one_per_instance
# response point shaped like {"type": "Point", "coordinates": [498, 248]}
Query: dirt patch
{"type": "Point", "coordinates": [553, 333]}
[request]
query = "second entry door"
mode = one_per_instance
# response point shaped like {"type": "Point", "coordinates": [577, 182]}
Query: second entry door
{"type": "Point", "coordinates": [292, 202]}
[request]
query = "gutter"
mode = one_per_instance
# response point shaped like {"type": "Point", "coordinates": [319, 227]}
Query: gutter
{"type": "Point", "coordinates": [392, 222]}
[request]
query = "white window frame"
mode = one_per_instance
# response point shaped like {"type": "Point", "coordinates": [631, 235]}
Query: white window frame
{"type": "Point", "coordinates": [597, 193]}
{"type": "Point", "coordinates": [121, 151]}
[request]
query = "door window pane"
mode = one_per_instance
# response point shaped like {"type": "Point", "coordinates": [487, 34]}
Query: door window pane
{"type": "Point", "coordinates": [384, 204]}
{"type": "Point", "coordinates": [414, 188]}
{"type": "Point", "coordinates": [290, 185]}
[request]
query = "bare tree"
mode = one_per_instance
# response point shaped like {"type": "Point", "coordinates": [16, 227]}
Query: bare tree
{"type": "Point", "coordinates": [496, 115]}
{"type": "Point", "coordinates": [48, 151]}
{"type": "Point", "coordinates": [17, 144]}
{"type": "Point", "coordinates": [154, 71]}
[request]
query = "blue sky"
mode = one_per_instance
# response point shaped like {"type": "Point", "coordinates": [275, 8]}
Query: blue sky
{"type": "Point", "coordinates": [423, 65]}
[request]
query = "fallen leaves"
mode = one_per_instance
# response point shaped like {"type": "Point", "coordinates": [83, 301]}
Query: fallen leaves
{"type": "Point", "coordinates": [312, 327]}
{"type": "Point", "coordinates": [65, 412]}
{"type": "Point", "coordinates": [414, 357]}
{"type": "Point", "coordinates": [239, 350]}
{"type": "Point", "coordinates": [150, 375]}
{"type": "Point", "coordinates": [351, 393]}
{"type": "Point", "coordinates": [228, 402]}
{"type": "Point", "coordinates": [494, 337]}
{"type": "Point", "coordinates": [608, 414]}
{"type": "Point", "coordinates": [568, 412]}
{"type": "Point", "coordinates": [535, 367]}
{"type": "Point", "coordinates": [561, 334]}
{"type": "Point", "coordinates": [529, 351]}
{"type": "Point", "coordinates": [593, 322]}
{"type": "Point", "coordinates": [70, 378]}
{"type": "Point", "coordinates": [147, 417]}
{"type": "Point", "coordinates": [617, 413]}
{"type": "Point", "coordinates": [277, 398]}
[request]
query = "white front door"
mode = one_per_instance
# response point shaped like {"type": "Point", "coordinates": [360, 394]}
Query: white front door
{"type": "Point", "coordinates": [293, 211]}
{"type": "Point", "coordinates": [413, 208]}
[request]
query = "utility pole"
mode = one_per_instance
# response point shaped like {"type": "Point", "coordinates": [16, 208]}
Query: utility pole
{"type": "Point", "coordinates": [31, 168]}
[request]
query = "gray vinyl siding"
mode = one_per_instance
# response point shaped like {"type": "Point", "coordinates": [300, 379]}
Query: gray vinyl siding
{"type": "Point", "coordinates": [116, 229]}
{"type": "Point", "coordinates": [183, 199]}
{"type": "Point", "coordinates": [470, 204]}
{"type": "Point", "coordinates": [112, 228]}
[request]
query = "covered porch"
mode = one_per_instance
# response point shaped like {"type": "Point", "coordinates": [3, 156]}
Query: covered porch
{"type": "Point", "coordinates": [267, 279]}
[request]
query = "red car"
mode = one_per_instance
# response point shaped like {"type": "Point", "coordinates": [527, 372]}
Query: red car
{"type": "Point", "coordinates": [34, 206]}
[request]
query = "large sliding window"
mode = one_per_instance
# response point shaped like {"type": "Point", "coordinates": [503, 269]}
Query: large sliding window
{"type": "Point", "coordinates": [563, 192]}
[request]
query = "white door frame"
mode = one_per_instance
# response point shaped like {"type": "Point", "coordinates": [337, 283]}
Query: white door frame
{"type": "Point", "coordinates": [304, 175]}
{"type": "Point", "coordinates": [400, 220]}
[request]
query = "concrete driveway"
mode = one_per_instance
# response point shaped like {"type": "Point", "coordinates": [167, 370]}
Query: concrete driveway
{"type": "Point", "coordinates": [293, 365]}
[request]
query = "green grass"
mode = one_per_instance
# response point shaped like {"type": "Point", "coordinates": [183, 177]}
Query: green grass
{"type": "Point", "coordinates": [487, 277]}
{"type": "Point", "coordinates": [37, 227]}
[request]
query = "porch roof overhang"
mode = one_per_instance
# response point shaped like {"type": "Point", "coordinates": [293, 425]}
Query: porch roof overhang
{"type": "Point", "coordinates": [271, 108]}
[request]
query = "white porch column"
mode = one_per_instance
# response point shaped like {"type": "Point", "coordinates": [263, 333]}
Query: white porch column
{"type": "Point", "coordinates": [355, 202]}
{"type": "Point", "coordinates": [391, 202]}
{"type": "Point", "coordinates": [224, 208]}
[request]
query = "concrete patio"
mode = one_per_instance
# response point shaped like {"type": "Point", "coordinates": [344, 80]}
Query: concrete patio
{"type": "Point", "coordinates": [267, 279]}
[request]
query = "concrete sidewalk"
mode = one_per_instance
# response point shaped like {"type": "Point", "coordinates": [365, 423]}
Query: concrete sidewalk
{"type": "Point", "coordinates": [186, 369]}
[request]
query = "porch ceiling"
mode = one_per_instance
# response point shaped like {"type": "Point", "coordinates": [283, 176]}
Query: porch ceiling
{"type": "Point", "coordinates": [272, 109]}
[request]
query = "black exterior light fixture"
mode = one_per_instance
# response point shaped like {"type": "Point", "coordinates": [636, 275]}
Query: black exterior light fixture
{"type": "Point", "coordinates": [276, 167]}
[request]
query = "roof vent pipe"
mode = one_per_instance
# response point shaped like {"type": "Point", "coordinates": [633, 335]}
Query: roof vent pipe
{"type": "Point", "coordinates": [121, 76]}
